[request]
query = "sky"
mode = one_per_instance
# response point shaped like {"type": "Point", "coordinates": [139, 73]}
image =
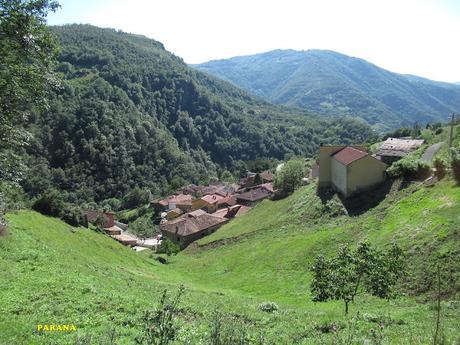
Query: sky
{"type": "Point", "coordinates": [419, 37]}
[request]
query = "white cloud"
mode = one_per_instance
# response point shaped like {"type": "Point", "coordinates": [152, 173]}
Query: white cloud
{"type": "Point", "coordinates": [405, 36]}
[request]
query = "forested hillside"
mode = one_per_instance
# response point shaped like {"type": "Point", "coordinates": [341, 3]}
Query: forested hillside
{"type": "Point", "coordinates": [130, 114]}
{"type": "Point", "coordinates": [330, 83]}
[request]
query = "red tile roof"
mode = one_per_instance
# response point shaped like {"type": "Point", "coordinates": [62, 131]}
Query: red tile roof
{"type": "Point", "coordinates": [191, 223]}
{"type": "Point", "coordinates": [349, 155]}
{"type": "Point", "coordinates": [212, 198]}
{"type": "Point", "coordinates": [178, 199]}
{"type": "Point", "coordinates": [254, 195]}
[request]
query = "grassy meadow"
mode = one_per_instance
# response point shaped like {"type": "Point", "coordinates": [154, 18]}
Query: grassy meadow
{"type": "Point", "coordinates": [53, 273]}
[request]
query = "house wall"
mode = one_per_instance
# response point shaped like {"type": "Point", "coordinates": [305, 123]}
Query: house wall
{"type": "Point", "coordinates": [339, 176]}
{"type": "Point", "coordinates": [325, 161]}
{"type": "Point", "coordinates": [364, 174]}
{"type": "Point", "coordinates": [325, 152]}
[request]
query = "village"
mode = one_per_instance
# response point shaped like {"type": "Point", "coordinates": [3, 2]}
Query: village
{"type": "Point", "coordinates": [195, 211]}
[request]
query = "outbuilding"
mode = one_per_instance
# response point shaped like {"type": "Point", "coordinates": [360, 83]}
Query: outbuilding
{"type": "Point", "coordinates": [349, 170]}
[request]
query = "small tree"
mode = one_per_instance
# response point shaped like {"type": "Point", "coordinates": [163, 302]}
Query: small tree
{"type": "Point", "coordinates": [384, 272]}
{"type": "Point", "coordinates": [322, 274]}
{"type": "Point", "coordinates": [342, 277]}
{"type": "Point", "coordinates": [289, 178]}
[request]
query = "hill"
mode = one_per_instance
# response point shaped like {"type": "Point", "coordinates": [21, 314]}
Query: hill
{"type": "Point", "coordinates": [130, 114]}
{"type": "Point", "coordinates": [330, 83]}
{"type": "Point", "coordinates": [75, 275]}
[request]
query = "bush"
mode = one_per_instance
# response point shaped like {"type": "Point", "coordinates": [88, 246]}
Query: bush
{"type": "Point", "coordinates": [226, 330]}
{"type": "Point", "coordinates": [51, 203]}
{"type": "Point", "coordinates": [455, 156]}
{"type": "Point", "coordinates": [168, 247]}
{"type": "Point", "coordinates": [440, 165]}
{"type": "Point", "coordinates": [455, 161]}
{"type": "Point", "coordinates": [73, 215]}
{"type": "Point", "coordinates": [268, 307]}
{"type": "Point", "coordinates": [409, 168]}
{"type": "Point", "coordinates": [160, 324]}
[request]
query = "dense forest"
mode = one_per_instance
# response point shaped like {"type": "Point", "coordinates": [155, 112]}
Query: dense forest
{"type": "Point", "coordinates": [330, 83]}
{"type": "Point", "coordinates": [130, 114]}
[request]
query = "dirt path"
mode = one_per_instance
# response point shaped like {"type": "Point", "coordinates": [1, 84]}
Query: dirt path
{"type": "Point", "coordinates": [431, 151]}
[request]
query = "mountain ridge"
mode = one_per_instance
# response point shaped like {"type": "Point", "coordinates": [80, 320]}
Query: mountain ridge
{"type": "Point", "coordinates": [331, 84]}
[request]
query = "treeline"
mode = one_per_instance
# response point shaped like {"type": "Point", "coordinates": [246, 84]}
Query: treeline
{"type": "Point", "coordinates": [130, 114]}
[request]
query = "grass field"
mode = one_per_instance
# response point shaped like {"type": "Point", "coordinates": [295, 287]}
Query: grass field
{"type": "Point", "coordinates": [53, 273]}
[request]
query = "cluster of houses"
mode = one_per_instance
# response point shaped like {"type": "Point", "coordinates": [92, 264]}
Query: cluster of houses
{"type": "Point", "coordinates": [196, 210]}
{"type": "Point", "coordinates": [351, 169]}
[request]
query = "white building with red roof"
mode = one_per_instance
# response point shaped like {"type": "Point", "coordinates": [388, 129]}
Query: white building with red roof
{"type": "Point", "coordinates": [349, 169]}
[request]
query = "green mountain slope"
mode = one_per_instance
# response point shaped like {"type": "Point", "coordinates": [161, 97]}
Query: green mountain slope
{"type": "Point", "coordinates": [129, 114]}
{"type": "Point", "coordinates": [330, 83]}
{"type": "Point", "coordinates": [67, 275]}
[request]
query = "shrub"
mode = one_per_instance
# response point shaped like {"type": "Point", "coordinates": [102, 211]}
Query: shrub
{"type": "Point", "coordinates": [168, 247]}
{"type": "Point", "coordinates": [455, 161]}
{"type": "Point", "coordinates": [455, 156]}
{"type": "Point", "coordinates": [268, 307]}
{"type": "Point", "coordinates": [409, 168]}
{"type": "Point", "coordinates": [329, 327]}
{"type": "Point", "coordinates": [51, 203]}
{"type": "Point", "coordinates": [440, 165]}
{"type": "Point", "coordinates": [72, 215]}
{"type": "Point", "coordinates": [160, 324]}
{"type": "Point", "coordinates": [227, 331]}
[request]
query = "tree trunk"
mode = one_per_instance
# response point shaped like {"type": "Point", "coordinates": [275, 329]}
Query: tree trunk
{"type": "Point", "coordinates": [346, 306]}
{"type": "Point", "coordinates": [356, 288]}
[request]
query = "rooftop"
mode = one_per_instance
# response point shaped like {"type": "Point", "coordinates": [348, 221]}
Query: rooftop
{"type": "Point", "coordinates": [349, 155]}
{"type": "Point", "coordinates": [212, 198]}
{"type": "Point", "coordinates": [399, 147]}
{"type": "Point", "coordinates": [254, 194]}
{"type": "Point", "coordinates": [178, 199]}
{"type": "Point", "coordinates": [191, 223]}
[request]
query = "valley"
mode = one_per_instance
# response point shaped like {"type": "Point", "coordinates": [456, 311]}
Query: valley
{"type": "Point", "coordinates": [293, 197]}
